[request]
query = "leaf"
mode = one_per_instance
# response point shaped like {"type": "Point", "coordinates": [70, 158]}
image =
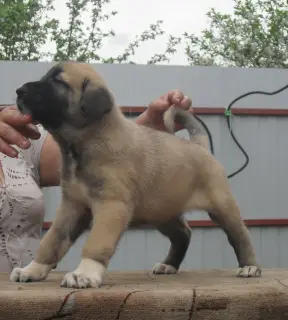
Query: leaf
{"type": "Point", "coordinates": [254, 35]}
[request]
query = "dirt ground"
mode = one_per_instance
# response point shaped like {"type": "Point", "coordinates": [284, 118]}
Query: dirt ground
{"type": "Point", "coordinates": [189, 295]}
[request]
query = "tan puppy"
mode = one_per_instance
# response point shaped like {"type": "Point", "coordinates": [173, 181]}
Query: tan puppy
{"type": "Point", "coordinates": [115, 171]}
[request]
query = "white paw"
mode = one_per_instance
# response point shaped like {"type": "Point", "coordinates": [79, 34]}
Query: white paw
{"type": "Point", "coordinates": [87, 275]}
{"type": "Point", "coordinates": [161, 268]}
{"type": "Point", "coordinates": [34, 271]}
{"type": "Point", "coordinates": [248, 271]}
{"type": "Point", "coordinates": [81, 281]}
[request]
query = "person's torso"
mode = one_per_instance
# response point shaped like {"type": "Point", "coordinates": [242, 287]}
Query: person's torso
{"type": "Point", "coordinates": [21, 208]}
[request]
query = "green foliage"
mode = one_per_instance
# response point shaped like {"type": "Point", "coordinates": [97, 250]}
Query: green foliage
{"type": "Point", "coordinates": [77, 43]}
{"type": "Point", "coordinates": [25, 27]}
{"type": "Point", "coordinates": [170, 50]}
{"type": "Point", "coordinates": [255, 35]}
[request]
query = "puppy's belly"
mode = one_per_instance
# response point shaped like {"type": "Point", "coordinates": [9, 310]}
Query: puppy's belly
{"type": "Point", "coordinates": [157, 209]}
{"type": "Point", "coordinates": [165, 197]}
{"type": "Point", "coordinates": [155, 216]}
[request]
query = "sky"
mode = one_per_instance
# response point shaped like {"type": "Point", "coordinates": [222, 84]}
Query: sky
{"type": "Point", "coordinates": [135, 16]}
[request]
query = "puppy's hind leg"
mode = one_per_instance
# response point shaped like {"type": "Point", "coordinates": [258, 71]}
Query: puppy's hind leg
{"type": "Point", "coordinates": [226, 213]}
{"type": "Point", "coordinates": [70, 222]}
{"type": "Point", "coordinates": [179, 234]}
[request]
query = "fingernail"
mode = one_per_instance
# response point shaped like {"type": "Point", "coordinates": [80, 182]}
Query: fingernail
{"type": "Point", "coordinates": [24, 143]}
{"type": "Point", "coordinates": [14, 154]}
{"type": "Point", "coordinates": [24, 116]}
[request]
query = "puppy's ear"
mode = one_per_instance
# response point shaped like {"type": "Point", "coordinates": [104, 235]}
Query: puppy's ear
{"type": "Point", "coordinates": [95, 102]}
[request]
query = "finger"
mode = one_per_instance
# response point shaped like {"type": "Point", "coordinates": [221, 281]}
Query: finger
{"type": "Point", "coordinates": [164, 97]}
{"type": "Point", "coordinates": [11, 107]}
{"type": "Point", "coordinates": [175, 97]}
{"type": "Point", "coordinates": [159, 105]}
{"type": "Point", "coordinates": [29, 131]}
{"type": "Point", "coordinates": [186, 103]}
{"type": "Point", "coordinates": [8, 150]}
{"type": "Point", "coordinates": [11, 136]}
{"type": "Point", "coordinates": [20, 122]}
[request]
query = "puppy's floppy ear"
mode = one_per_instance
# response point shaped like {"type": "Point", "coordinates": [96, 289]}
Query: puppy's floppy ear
{"type": "Point", "coordinates": [95, 102]}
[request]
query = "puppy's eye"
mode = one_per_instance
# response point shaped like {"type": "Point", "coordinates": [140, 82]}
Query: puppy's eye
{"type": "Point", "coordinates": [57, 79]}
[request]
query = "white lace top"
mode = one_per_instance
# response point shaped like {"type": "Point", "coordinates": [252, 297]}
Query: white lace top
{"type": "Point", "coordinates": [21, 206]}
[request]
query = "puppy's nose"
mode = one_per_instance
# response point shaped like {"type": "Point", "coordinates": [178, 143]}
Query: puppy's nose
{"type": "Point", "coordinates": [21, 92]}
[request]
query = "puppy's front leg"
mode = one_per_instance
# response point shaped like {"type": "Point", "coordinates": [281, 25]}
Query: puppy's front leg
{"type": "Point", "coordinates": [70, 222]}
{"type": "Point", "coordinates": [110, 221]}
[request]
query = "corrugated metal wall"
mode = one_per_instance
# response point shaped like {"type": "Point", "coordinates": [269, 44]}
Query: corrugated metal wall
{"type": "Point", "coordinates": [140, 250]}
{"type": "Point", "coordinates": [261, 189]}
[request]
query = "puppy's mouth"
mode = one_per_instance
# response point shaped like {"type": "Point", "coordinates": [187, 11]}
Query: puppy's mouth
{"type": "Point", "coordinates": [23, 108]}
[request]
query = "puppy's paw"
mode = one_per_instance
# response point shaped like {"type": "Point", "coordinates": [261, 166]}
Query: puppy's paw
{"type": "Point", "coordinates": [80, 280]}
{"type": "Point", "coordinates": [88, 275]}
{"type": "Point", "coordinates": [249, 271]}
{"type": "Point", "coordinates": [32, 272]}
{"type": "Point", "coordinates": [161, 268]}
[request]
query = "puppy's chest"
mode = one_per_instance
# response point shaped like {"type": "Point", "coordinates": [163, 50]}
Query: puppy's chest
{"type": "Point", "coordinates": [82, 182]}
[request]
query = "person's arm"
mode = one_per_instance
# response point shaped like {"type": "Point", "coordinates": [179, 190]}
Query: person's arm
{"type": "Point", "coordinates": [49, 166]}
{"type": "Point", "coordinates": [45, 156]}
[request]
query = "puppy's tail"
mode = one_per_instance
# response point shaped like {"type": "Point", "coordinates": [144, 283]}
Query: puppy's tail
{"type": "Point", "coordinates": [195, 129]}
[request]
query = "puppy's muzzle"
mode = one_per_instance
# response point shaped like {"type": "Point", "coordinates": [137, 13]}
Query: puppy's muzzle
{"type": "Point", "coordinates": [21, 92]}
{"type": "Point", "coordinates": [24, 99]}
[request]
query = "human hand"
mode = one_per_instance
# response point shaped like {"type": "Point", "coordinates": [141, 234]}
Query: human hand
{"type": "Point", "coordinates": [16, 128]}
{"type": "Point", "coordinates": [153, 116]}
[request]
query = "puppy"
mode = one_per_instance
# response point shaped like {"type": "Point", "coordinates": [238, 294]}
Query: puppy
{"type": "Point", "coordinates": [115, 171]}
